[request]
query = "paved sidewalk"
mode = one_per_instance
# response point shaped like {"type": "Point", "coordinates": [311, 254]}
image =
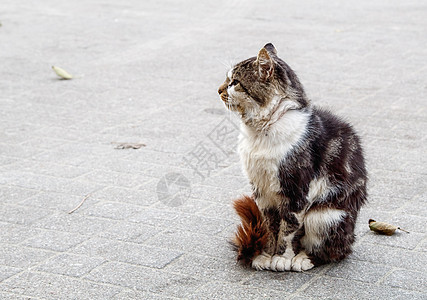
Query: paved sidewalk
{"type": "Point", "coordinates": [155, 221]}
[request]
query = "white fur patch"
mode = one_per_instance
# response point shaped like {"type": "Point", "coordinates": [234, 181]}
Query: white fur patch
{"type": "Point", "coordinates": [261, 153]}
{"type": "Point", "coordinates": [319, 188]}
{"type": "Point", "coordinates": [230, 73]}
{"type": "Point", "coordinates": [317, 224]}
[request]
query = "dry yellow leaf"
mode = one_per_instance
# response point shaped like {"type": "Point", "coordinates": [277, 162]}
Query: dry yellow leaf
{"type": "Point", "coordinates": [383, 228]}
{"type": "Point", "coordinates": [62, 73]}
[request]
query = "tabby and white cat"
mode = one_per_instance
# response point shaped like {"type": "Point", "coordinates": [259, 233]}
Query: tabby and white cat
{"type": "Point", "coordinates": [305, 165]}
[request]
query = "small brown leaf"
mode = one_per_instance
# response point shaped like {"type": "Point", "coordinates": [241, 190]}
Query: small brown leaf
{"type": "Point", "coordinates": [128, 145]}
{"type": "Point", "coordinates": [383, 228]}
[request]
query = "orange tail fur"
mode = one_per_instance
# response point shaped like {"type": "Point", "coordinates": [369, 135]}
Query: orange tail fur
{"type": "Point", "coordinates": [252, 235]}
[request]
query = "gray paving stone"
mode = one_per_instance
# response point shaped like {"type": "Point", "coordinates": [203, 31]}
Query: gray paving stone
{"type": "Point", "coordinates": [6, 272]}
{"type": "Point", "coordinates": [113, 210]}
{"type": "Point", "coordinates": [73, 223]}
{"type": "Point", "coordinates": [124, 195]}
{"type": "Point", "coordinates": [422, 246]}
{"type": "Point", "coordinates": [406, 279]}
{"type": "Point", "coordinates": [191, 242]}
{"type": "Point", "coordinates": [335, 288]}
{"type": "Point", "coordinates": [13, 194]}
{"type": "Point", "coordinates": [392, 188]}
{"type": "Point", "coordinates": [416, 207]}
{"type": "Point", "coordinates": [224, 290]}
{"type": "Point", "coordinates": [120, 164]}
{"type": "Point", "coordinates": [206, 225]}
{"type": "Point", "coordinates": [225, 212]}
{"type": "Point", "coordinates": [214, 194]}
{"type": "Point", "coordinates": [390, 256]}
{"type": "Point", "coordinates": [187, 205]}
{"type": "Point", "coordinates": [18, 151]}
{"type": "Point", "coordinates": [112, 178]}
{"type": "Point", "coordinates": [20, 257]}
{"type": "Point", "coordinates": [145, 279]}
{"type": "Point", "coordinates": [414, 223]}
{"type": "Point", "coordinates": [49, 183]}
{"type": "Point", "coordinates": [7, 296]}
{"type": "Point", "coordinates": [70, 159]}
{"type": "Point", "coordinates": [127, 252]}
{"type": "Point", "coordinates": [70, 264]}
{"type": "Point", "coordinates": [212, 268]}
{"type": "Point", "coordinates": [59, 201]}
{"type": "Point", "coordinates": [4, 161]}
{"type": "Point", "coordinates": [155, 157]}
{"type": "Point", "coordinates": [287, 282]}
{"type": "Point", "coordinates": [357, 270]}
{"type": "Point", "coordinates": [301, 298]}
{"type": "Point", "coordinates": [50, 286]}
{"type": "Point", "coordinates": [134, 294]}
{"type": "Point", "coordinates": [228, 182]}
{"type": "Point", "coordinates": [21, 214]}
{"type": "Point", "coordinates": [55, 240]}
{"type": "Point", "coordinates": [44, 142]}
{"type": "Point", "coordinates": [155, 217]}
{"type": "Point", "coordinates": [47, 168]}
{"type": "Point", "coordinates": [385, 204]}
{"type": "Point", "coordinates": [129, 232]}
{"type": "Point", "coordinates": [158, 172]}
{"type": "Point", "coordinates": [15, 233]}
{"type": "Point", "coordinates": [87, 148]}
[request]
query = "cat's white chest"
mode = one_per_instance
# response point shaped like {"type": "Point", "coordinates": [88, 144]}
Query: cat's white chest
{"type": "Point", "coordinates": [262, 154]}
{"type": "Point", "coordinates": [261, 163]}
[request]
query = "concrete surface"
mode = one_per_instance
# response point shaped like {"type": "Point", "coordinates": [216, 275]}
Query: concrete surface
{"type": "Point", "coordinates": [156, 220]}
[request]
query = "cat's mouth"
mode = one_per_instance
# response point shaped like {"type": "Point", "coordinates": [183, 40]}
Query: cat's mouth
{"type": "Point", "coordinates": [230, 105]}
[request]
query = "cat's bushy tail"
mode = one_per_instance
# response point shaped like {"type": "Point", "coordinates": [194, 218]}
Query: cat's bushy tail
{"type": "Point", "coordinates": [252, 235]}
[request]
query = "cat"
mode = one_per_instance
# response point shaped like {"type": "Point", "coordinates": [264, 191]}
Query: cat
{"type": "Point", "coordinates": [305, 166]}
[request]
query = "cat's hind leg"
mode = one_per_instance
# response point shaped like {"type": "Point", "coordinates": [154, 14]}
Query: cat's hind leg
{"type": "Point", "coordinates": [329, 234]}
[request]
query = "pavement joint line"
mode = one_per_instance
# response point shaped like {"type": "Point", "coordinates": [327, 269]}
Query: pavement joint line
{"type": "Point", "coordinates": [316, 276]}
{"type": "Point", "coordinates": [418, 247]}
{"type": "Point", "coordinates": [80, 279]}
{"type": "Point", "coordinates": [21, 295]}
{"type": "Point", "coordinates": [384, 277]}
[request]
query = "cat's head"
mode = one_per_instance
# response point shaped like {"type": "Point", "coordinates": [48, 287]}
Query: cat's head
{"type": "Point", "coordinates": [256, 86]}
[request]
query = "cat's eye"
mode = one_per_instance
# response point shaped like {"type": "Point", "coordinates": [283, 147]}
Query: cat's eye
{"type": "Point", "coordinates": [234, 82]}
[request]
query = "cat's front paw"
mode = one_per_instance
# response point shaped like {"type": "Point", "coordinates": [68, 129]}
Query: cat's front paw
{"type": "Point", "coordinates": [281, 263]}
{"type": "Point", "coordinates": [262, 262]}
{"type": "Point", "coordinates": [301, 262]}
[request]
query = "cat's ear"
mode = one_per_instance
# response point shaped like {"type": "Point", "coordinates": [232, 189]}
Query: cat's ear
{"type": "Point", "coordinates": [265, 64]}
{"type": "Point", "coordinates": [270, 49]}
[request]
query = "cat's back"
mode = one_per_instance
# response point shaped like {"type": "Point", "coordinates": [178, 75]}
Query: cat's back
{"type": "Point", "coordinates": [335, 145]}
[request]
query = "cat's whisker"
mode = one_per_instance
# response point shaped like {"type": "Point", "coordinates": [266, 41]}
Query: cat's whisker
{"type": "Point", "coordinates": [223, 63]}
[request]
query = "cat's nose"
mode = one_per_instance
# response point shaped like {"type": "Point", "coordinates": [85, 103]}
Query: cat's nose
{"type": "Point", "coordinates": [222, 88]}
